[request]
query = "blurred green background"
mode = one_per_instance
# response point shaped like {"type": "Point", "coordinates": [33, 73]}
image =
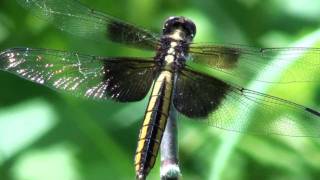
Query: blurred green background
{"type": "Point", "coordinates": [45, 135]}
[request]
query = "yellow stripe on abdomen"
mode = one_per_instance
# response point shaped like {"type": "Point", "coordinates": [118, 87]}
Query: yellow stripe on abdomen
{"type": "Point", "coordinates": [154, 123]}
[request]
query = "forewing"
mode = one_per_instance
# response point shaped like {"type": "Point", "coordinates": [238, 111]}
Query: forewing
{"type": "Point", "coordinates": [120, 79]}
{"type": "Point", "coordinates": [243, 63]}
{"type": "Point", "coordinates": [77, 19]}
{"type": "Point", "coordinates": [229, 107]}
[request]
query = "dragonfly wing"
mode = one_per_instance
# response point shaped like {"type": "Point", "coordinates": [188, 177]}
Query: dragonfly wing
{"type": "Point", "coordinates": [193, 96]}
{"type": "Point", "coordinates": [228, 106]}
{"type": "Point", "coordinates": [243, 63]}
{"type": "Point", "coordinates": [77, 19]}
{"type": "Point", "coordinates": [120, 79]}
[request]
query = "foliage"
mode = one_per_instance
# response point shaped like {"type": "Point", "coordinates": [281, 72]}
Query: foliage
{"type": "Point", "coordinates": [46, 135]}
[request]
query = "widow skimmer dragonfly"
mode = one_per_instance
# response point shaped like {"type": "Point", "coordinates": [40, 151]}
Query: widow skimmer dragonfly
{"type": "Point", "coordinates": [173, 75]}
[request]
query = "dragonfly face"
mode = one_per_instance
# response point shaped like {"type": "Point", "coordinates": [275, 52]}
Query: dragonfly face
{"type": "Point", "coordinates": [186, 28]}
{"type": "Point", "coordinates": [172, 75]}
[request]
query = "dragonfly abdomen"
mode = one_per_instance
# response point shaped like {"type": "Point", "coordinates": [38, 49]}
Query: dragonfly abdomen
{"type": "Point", "coordinates": [154, 123]}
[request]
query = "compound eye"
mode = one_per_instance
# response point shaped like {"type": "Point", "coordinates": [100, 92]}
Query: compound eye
{"type": "Point", "coordinates": [170, 24]}
{"type": "Point", "coordinates": [190, 28]}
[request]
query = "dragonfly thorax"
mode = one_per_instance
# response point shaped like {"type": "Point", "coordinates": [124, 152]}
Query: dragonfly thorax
{"type": "Point", "coordinates": [172, 53]}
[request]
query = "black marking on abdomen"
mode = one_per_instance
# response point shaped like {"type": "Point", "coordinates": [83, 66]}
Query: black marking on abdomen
{"type": "Point", "coordinates": [146, 155]}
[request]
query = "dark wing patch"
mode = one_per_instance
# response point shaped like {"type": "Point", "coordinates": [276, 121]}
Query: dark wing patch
{"type": "Point", "coordinates": [196, 95]}
{"type": "Point", "coordinates": [128, 80]}
{"type": "Point", "coordinates": [128, 34]}
{"type": "Point", "coordinates": [77, 19]}
{"type": "Point", "coordinates": [120, 79]}
{"type": "Point", "coordinates": [217, 57]}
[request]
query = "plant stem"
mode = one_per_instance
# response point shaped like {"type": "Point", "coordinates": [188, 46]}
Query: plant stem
{"type": "Point", "coordinates": [169, 150]}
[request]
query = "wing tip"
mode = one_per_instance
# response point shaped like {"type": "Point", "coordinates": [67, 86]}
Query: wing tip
{"type": "Point", "coordinates": [314, 112]}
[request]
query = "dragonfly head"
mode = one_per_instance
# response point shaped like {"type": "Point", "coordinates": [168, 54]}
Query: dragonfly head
{"type": "Point", "coordinates": [179, 28]}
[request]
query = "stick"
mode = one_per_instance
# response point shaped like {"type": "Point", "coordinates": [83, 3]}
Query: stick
{"type": "Point", "coordinates": [169, 150]}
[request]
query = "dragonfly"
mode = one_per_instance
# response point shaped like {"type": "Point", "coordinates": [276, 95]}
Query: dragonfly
{"type": "Point", "coordinates": [172, 76]}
